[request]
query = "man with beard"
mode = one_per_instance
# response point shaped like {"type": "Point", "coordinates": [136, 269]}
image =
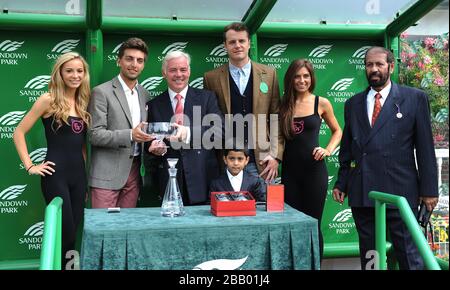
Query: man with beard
{"type": "Point", "coordinates": [118, 114]}
{"type": "Point", "coordinates": [383, 126]}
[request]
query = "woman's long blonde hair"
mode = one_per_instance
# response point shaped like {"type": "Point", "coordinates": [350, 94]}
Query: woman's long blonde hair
{"type": "Point", "coordinates": [59, 105]}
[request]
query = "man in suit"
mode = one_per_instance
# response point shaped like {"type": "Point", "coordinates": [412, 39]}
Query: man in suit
{"type": "Point", "coordinates": [236, 178]}
{"type": "Point", "coordinates": [118, 111]}
{"type": "Point", "coordinates": [187, 106]}
{"type": "Point", "coordinates": [244, 87]}
{"type": "Point", "coordinates": [383, 126]}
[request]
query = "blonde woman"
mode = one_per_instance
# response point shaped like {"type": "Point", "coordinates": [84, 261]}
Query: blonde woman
{"type": "Point", "coordinates": [63, 111]}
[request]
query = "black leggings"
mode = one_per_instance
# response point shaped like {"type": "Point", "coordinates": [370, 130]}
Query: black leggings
{"type": "Point", "coordinates": [307, 192]}
{"type": "Point", "coordinates": [73, 194]}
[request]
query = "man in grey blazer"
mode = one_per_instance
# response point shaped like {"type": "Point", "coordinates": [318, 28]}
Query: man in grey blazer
{"type": "Point", "coordinates": [118, 113]}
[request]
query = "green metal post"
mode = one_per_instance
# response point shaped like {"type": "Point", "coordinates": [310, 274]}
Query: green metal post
{"type": "Point", "coordinates": [94, 54]}
{"type": "Point", "coordinates": [94, 40]}
{"type": "Point", "coordinates": [51, 245]}
{"type": "Point", "coordinates": [380, 233]}
{"type": "Point", "coordinates": [410, 220]}
{"type": "Point", "coordinates": [257, 13]}
{"type": "Point", "coordinates": [394, 43]}
{"type": "Point", "coordinates": [94, 14]}
{"type": "Point", "coordinates": [254, 47]}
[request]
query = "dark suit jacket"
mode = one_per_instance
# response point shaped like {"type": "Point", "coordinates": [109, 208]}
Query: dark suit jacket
{"type": "Point", "coordinates": [382, 158]}
{"type": "Point", "coordinates": [199, 165]}
{"type": "Point", "coordinates": [249, 183]}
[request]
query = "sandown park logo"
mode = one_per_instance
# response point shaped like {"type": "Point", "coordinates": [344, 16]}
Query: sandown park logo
{"type": "Point", "coordinates": [175, 46]}
{"type": "Point", "coordinates": [9, 201]}
{"type": "Point", "coordinates": [35, 230]}
{"type": "Point", "coordinates": [66, 46]}
{"type": "Point", "coordinates": [342, 84]}
{"type": "Point", "coordinates": [152, 83]}
{"type": "Point", "coordinates": [330, 179]}
{"type": "Point", "coordinates": [218, 56]}
{"type": "Point", "coordinates": [12, 118]}
{"type": "Point", "coordinates": [343, 216]}
{"type": "Point", "coordinates": [336, 151]}
{"type": "Point", "coordinates": [272, 56]}
{"type": "Point", "coordinates": [38, 155]}
{"type": "Point", "coordinates": [221, 264]}
{"type": "Point", "coordinates": [33, 236]}
{"type": "Point", "coordinates": [360, 52]}
{"type": "Point", "coordinates": [9, 45]}
{"type": "Point", "coordinates": [114, 53]}
{"type": "Point", "coordinates": [197, 83]}
{"type": "Point", "coordinates": [357, 58]}
{"type": "Point", "coordinates": [12, 192]}
{"type": "Point", "coordinates": [116, 49]}
{"type": "Point", "coordinates": [320, 51]}
{"type": "Point", "coordinates": [276, 50]}
{"type": "Point", "coordinates": [38, 82]}
{"type": "Point", "coordinates": [218, 51]}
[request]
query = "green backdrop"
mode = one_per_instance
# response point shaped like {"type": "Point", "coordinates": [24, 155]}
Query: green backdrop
{"type": "Point", "coordinates": [25, 64]}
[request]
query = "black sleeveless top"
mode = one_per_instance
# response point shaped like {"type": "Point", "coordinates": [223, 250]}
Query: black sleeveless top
{"type": "Point", "coordinates": [306, 136]}
{"type": "Point", "coordinates": [64, 144]}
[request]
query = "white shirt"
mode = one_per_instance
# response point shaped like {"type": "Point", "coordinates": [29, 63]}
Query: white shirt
{"type": "Point", "coordinates": [371, 99]}
{"type": "Point", "coordinates": [174, 101]}
{"type": "Point", "coordinates": [236, 181]}
{"type": "Point", "coordinates": [241, 75]}
{"type": "Point", "coordinates": [135, 109]}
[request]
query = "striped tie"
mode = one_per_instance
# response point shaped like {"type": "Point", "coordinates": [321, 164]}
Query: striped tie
{"type": "Point", "coordinates": [179, 110]}
{"type": "Point", "coordinates": [376, 108]}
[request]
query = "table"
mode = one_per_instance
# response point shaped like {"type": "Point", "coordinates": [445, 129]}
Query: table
{"type": "Point", "coordinates": [139, 238]}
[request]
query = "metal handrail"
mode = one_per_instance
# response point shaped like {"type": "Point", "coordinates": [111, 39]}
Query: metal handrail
{"type": "Point", "coordinates": [381, 199]}
{"type": "Point", "coordinates": [51, 243]}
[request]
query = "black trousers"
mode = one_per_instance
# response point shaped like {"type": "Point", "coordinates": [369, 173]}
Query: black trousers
{"type": "Point", "coordinates": [405, 249]}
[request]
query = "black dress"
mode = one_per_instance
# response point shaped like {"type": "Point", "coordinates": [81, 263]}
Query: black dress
{"type": "Point", "coordinates": [305, 179]}
{"type": "Point", "coordinates": [69, 181]}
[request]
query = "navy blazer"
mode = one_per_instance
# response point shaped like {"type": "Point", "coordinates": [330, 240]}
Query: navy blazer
{"type": "Point", "coordinates": [250, 183]}
{"type": "Point", "coordinates": [382, 158]}
{"type": "Point", "coordinates": [199, 165]}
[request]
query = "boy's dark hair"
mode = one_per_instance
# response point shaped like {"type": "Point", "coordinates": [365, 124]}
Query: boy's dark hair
{"type": "Point", "coordinates": [133, 43]}
{"type": "Point", "coordinates": [233, 145]}
{"type": "Point", "coordinates": [236, 26]}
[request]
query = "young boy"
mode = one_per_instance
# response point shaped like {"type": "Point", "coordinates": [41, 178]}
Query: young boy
{"type": "Point", "coordinates": [235, 178]}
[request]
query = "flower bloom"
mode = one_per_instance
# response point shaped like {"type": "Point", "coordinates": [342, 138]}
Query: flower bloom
{"type": "Point", "coordinates": [429, 41]}
{"type": "Point", "coordinates": [439, 81]}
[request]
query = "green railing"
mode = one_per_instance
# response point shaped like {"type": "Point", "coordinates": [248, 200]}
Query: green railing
{"type": "Point", "coordinates": [51, 243]}
{"type": "Point", "coordinates": [381, 199]}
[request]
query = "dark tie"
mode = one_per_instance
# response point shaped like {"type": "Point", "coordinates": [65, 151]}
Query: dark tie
{"type": "Point", "coordinates": [376, 108]}
{"type": "Point", "coordinates": [179, 110]}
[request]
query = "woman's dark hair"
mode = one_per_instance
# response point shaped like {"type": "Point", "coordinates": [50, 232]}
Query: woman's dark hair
{"type": "Point", "coordinates": [289, 96]}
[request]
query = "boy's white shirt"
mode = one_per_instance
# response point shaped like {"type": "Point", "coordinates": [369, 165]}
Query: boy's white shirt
{"type": "Point", "coordinates": [236, 181]}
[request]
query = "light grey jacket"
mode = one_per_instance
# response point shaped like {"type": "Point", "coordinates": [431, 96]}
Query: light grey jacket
{"type": "Point", "coordinates": [109, 135]}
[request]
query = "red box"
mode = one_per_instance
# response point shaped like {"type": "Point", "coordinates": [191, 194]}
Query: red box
{"type": "Point", "coordinates": [234, 207]}
{"type": "Point", "coordinates": [275, 197]}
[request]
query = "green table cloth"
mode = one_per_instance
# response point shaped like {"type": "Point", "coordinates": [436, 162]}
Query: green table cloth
{"type": "Point", "coordinates": [139, 238]}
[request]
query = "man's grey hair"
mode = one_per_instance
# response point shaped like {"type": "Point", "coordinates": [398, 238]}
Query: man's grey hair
{"type": "Point", "coordinates": [175, 54]}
